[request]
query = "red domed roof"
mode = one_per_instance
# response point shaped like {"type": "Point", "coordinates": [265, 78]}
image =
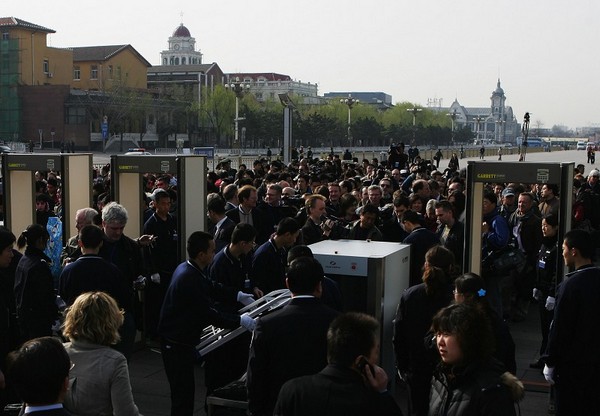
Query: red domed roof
{"type": "Point", "coordinates": [182, 32]}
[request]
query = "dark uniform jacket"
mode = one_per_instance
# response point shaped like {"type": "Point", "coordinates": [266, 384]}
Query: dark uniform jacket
{"type": "Point", "coordinates": [189, 307]}
{"type": "Point", "coordinates": [288, 343]}
{"type": "Point", "coordinates": [92, 273]}
{"type": "Point", "coordinates": [268, 267]}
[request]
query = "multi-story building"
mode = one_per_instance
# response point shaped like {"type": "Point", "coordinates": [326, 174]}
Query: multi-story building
{"type": "Point", "coordinates": [48, 94]}
{"type": "Point", "coordinates": [495, 123]}
{"type": "Point", "coordinates": [266, 86]}
{"type": "Point", "coordinates": [183, 77]}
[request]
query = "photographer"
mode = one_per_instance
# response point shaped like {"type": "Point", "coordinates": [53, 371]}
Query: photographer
{"type": "Point", "coordinates": [397, 159]}
{"type": "Point", "coordinates": [316, 229]}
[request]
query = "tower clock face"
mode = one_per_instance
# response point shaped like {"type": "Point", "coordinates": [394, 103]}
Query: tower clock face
{"type": "Point", "coordinates": [176, 47]}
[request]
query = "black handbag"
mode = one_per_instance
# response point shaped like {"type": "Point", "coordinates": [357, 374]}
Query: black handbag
{"type": "Point", "coordinates": [507, 259]}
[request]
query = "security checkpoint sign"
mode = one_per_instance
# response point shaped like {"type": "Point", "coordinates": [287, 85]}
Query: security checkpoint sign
{"type": "Point", "coordinates": [525, 172]}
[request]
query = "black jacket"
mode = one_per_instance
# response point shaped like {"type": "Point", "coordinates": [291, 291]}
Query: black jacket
{"type": "Point", "coordinates": [288, 343]}
{"type": "Point", "coordinates": [479, 389]}
{"type": "Point", "coordinates": [335, 391]}
{"type": "Point", "coordinates": [35, 296]}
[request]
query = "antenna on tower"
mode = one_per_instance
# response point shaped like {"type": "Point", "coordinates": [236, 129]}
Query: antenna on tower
{"type": "Point", "coordinates": [181, 14]}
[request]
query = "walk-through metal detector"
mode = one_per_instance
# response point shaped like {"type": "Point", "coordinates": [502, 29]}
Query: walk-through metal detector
{"type": "Point", "coordinates": [127, 188]}
{"type": "Point", "coordinates": [18, 172]}
{"type": "Point", "coordinates": [480, 173]}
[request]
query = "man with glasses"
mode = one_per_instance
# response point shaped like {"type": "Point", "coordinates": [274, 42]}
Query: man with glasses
{"type": "Point", "coordinates": [387, 190]}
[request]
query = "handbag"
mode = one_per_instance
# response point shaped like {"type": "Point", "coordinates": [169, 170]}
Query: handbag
{"type": "Point", "coordinates": [507, 259]}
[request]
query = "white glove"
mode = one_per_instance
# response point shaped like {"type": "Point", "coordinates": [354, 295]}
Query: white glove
{"type": "Point", "coordinates": [155, 277]}
{"type": "Point", "coordinates": [247, 322]}
{"type": "Point", "coordinates": [550, 302]}
{"type": "Point", "coordinates": [537, 294]}
{"type": "Point", "coordinates": [245, 298]}
{"type": "Point", "coordinates": [549, 374]}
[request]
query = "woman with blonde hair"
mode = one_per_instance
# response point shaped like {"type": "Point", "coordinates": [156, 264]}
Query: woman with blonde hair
{"type": "Point", "coordinates": [99, 381]}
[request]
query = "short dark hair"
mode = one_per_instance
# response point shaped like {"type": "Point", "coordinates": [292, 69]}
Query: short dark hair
{"type": "Point", "coordinates": [412, 217]}
{"type": "Point", "coordinates": [243, 232]}
{"type": "Point", "coordinates": [370, 209]}
{"type": "Point", "coordinates": [160, 194]}
{"type": "Point", "coordinates": [472, 329]}
{"type": "Point", "coordinates": [491, 197]}
{"type": "Point", "coordinates": [198, 242]}
{"type": "Point", "coordinates": [553, 187]}
{"type": "Point", "coordinates": [446, 206]}
{"type": "Point", "coordinates": [299, 251]}
{"type": "Point", "coordinates": [91, 236]}
{"type": "Point", "coordinates": [304, 275]}
{"type": "Point", "coordinates": [37, 371]}
{"type": "Point", "coordinates": [350, 335]}
{"type": "Point", "coordinates": [582, 241]}
{"type": "Point", "coordinates": [401, 201]}
{"type": "Point", "coordinates": [287, 225]}
{"type": "Point", "coordinates": [7, 238]}
{"type": "Point", "coordinates": [216, 204]}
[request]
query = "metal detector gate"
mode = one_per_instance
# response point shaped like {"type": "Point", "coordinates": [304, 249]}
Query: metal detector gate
{"type": "Point", "coordinates": [18, 172]}
{"type": "Point", "coordinates": [481, 173]}
{"type": "Point", "coordinates": [127, 188]}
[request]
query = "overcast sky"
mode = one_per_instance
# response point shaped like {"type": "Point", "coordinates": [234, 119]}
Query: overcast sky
{"type": "Point", "coordinates": [544, 52]}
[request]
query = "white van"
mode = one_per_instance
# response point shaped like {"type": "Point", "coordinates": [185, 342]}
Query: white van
{"type": "Point", "coordinates": [582, 144]}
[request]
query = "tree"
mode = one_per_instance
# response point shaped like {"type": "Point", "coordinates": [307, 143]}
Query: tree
{"type": "Point", "coordinates": [216, 112]}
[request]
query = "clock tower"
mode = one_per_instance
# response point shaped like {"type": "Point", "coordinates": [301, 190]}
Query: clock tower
{"type": "Point", "coordinates": [182, 49]}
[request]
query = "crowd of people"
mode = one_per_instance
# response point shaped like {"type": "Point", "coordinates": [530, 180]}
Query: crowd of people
{"type": "Point", "coordinates": [452, 343]}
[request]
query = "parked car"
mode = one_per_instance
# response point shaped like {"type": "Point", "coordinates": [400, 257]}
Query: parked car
{"type": "Point", "coordinates": [5, 149]}
{"type": "Point", "coordinates": [582, 144]}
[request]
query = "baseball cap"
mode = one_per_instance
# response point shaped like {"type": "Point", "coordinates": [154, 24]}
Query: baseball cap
{"type": "Point", "coordinates": [508, 192]}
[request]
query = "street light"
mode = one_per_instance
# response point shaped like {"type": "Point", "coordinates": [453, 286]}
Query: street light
{"type": "Point", "coordinates": [350, 103]}
{"type": "Point", "coordinates": [525, 131]}
{"type": "Point", "coordinates": [239, 89]}
{"type": "Point", "coordinates": [452, 116]}
{"type": "Point", "coordinates": [414, 112]}
{"type": "Point", "coordinates": [499, 127]}
{"type": "Point", "coordinates": [478, 121]}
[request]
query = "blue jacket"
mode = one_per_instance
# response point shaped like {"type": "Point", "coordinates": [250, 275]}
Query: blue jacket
{"type": "Point", "coordinates": [498, 234]}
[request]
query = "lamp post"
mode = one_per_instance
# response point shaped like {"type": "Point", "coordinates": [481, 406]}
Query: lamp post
{"type": "Point", "coordinates": [525, 131]}
{"type": "Point", "coordinates": [239, 89]}
{"type": "Point", "coordinates": [478, 121]}
{"type": "Point", "coordinates": [414, 112]}
{"type": "Point", "coordinates": [499, 127]}
{"type": "Point", "coordinates": [452, 116]}
{"type": "Point", "coordinates": [350, 103]}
